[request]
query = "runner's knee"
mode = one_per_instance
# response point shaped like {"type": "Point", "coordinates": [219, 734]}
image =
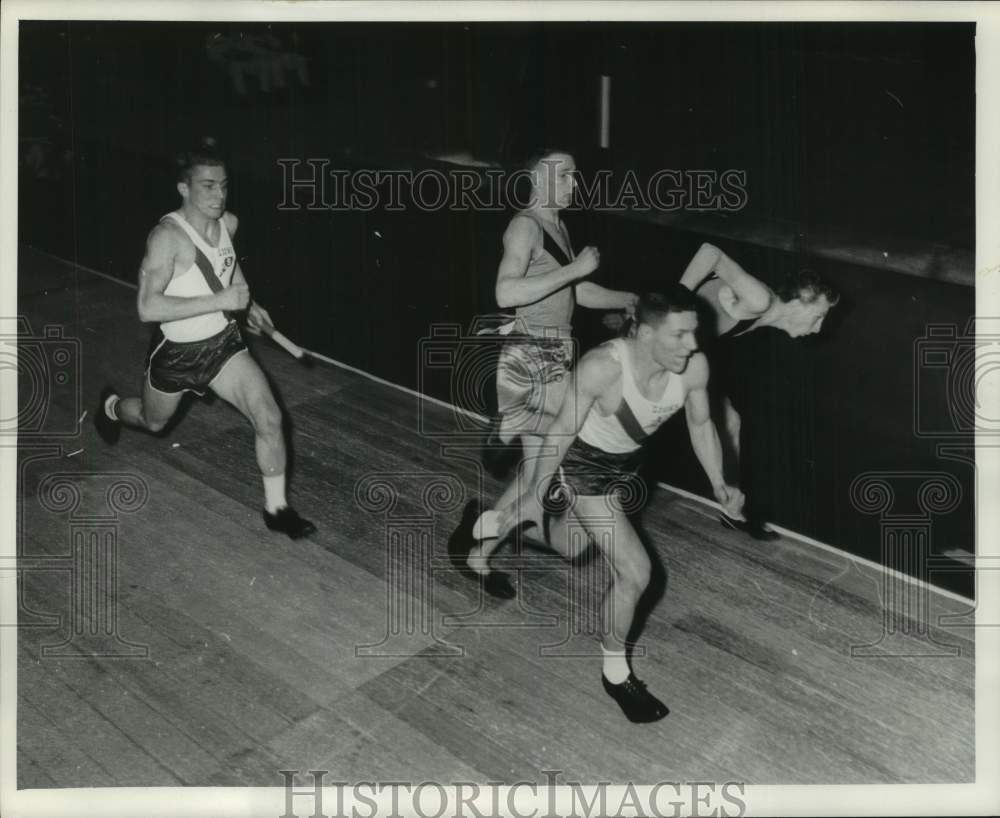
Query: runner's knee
{"type": "Point", "coordinates": [154, 424]}
{"type": "Point", "coordinates": [266, 418]}
{"type": "Point", "coordinates": [633, 575]}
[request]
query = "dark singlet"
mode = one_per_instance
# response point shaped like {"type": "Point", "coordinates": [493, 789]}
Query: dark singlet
{"type": "Point", "coordinates": [741, 326]}
{"type": "Point", "coordinates": [553, 249]}
{"type": "Point", "coordinates": [553, 314]}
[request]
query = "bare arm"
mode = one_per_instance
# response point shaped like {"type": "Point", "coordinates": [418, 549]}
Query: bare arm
{"type": "Point", "coordinates": [154, 275]}
{"type": "Point", "coordinates": [232, 225]}
{"type": "Point", "coordinates": [752, 296]}
{"type": "Point", "coordinates": [513, 288]}
{"type": "Point", "coordinates": [705, 437]}
{"type": "Point", "coordinates": [589, 294]}
{"type": "Point", "coordinates": [257, 317]}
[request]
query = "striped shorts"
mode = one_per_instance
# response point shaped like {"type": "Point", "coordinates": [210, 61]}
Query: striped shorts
{"type": "Point", "coordinates": [531, 377]}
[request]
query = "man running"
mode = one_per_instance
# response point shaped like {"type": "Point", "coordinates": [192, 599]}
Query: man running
{"type": "Point", "coordinates": [191, 282]}
{"type": "Point", "coordinates": [741, 304]}
{"type": "Point", "coordinates": [622, 392]}
{"type": "Point", "coordinates": [543, 280]}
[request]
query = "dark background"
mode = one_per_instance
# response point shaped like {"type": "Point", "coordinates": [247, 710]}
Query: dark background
{"type": "Point", "coordinates": [855, 135]}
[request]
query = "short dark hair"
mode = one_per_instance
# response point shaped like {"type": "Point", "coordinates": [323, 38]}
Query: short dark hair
{"type": "Point", "coordinates": [808, 286]}
{"type": "Point", "coordinates": [654, 306]}
{"type": "Point", "coordinates": [205, 151]}
{"type": "Point", "coordinates": [538, 154]}
{"type": "Point", "coordinates": [523, 181]}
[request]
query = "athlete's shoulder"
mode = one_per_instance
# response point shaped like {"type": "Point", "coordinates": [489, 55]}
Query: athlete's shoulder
{"type": "Point", "coordinates": [167, 235]}
{"type": "Point", "coordinates": [599, 368]}
{"type": "Point", "coordinates": [524, 225]}
{"type": "Point", "coordinates": [231, 221]}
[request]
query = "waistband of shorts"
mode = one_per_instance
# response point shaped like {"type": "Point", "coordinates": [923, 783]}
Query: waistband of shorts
{"type": "Point", "coordinates": [539, 341]}
{"type": "Point", "coordinates": [557, 333]}
{"type": "Point", "coordinates": [582, 448]}
{"type": "Point", "coordinates": [517, 327]}
{"type": "Point", "coordinates": [230, 326]}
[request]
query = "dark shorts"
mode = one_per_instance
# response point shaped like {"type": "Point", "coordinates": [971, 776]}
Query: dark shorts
{"type": "Point", "coordinates": [591, 472]}
{"type": "Point", "coordinates": [531, 375]}
{"type": "Point", "coordinates": [191, 366]}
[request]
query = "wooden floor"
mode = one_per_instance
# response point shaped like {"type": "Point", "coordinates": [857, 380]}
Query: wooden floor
{"type": "Point", "coordinates": [359, 652]}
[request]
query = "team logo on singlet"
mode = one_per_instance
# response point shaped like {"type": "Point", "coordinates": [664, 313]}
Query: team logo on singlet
{"type": "Point", "coordinates": [228, 258]}
{"type": "Point", "coordinates": [665, 411]}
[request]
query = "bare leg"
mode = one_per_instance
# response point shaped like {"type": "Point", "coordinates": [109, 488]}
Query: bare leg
{"type": "Point", "coordinates": [479, 555]}
{"type": "Point", "coordinates": [567, 535]}
{"type": "Point", "coordinates": [150, 412]}
{"type": "Point", "coordinates": [551, 402]}
{"type": "Point", "coordinates": [621, 547]}
{"type": "Point", "coordinates": [242, 384]}
{"type": "Point", "coordinates": [630, 572]}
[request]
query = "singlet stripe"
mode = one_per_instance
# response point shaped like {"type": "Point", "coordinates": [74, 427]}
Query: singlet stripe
{"type": "Point", "coordinates": [553, 249]}
{"type": "Point", "coordinates": [207, 270]}
{"type": "Point", "coordinates": [630, 424]}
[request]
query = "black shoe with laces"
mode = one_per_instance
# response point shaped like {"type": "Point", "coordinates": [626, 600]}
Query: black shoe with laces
{"type": "Point", "coordinates": [637, 703]}
{"type": "Point", "coordinates": [107, 427]}
{"type": "Point", "coordinates": [495, 583]}
{"type": "Point", "coordinates": [287, 521]}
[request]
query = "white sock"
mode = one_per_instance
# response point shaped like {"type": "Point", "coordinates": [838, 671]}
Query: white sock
{"type": "Point", "coordinates": [274, 492]}
{"type": "Point", "coordinates": [615, 665]}
{"type": "Point", "coordinates": [487, 525]}
{"type": "Point", "coordinates": [111, 407]}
